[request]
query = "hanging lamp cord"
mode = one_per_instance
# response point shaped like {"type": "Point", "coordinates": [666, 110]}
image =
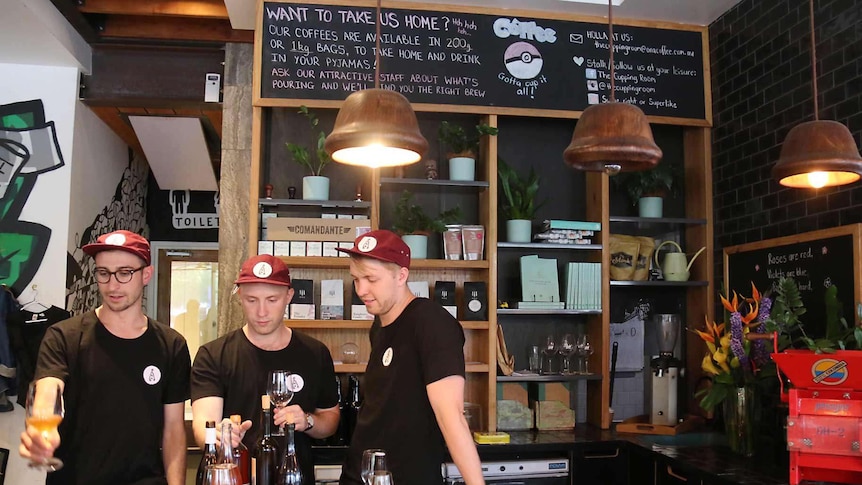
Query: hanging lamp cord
{"type": "Point", "coordinates": [611, 46]}
{"type": "Point", "coordinates": [813, 58]}
{"type": "Point", "coordinates": [377, 49]}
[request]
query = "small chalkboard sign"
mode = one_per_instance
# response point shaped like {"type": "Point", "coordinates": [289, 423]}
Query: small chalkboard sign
{"type": "Point", "coordinates": [816, 260]}
{"type": "Point", "coordinates": [326, 52]}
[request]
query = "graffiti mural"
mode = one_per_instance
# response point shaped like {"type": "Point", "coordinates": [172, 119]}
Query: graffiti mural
{"type": "Point", "coordinates": [28, 147]}
{"type": "Point", "coordinates": [127, 210]}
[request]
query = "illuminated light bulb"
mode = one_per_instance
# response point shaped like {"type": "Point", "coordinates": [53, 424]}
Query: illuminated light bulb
{"type": "Point", "coordinates": [818, 179]}
{"type": "Point", "coordinates": [376, 156]}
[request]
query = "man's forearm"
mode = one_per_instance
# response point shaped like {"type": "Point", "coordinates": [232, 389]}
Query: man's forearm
{"type": "Point", "coordinates": [174, 455]}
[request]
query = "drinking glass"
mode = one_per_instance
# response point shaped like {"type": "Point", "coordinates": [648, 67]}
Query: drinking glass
{"type": "Point", "coordinates": [373, 461]}
{"type": "Point", "coordinates": [585, 350]}
{"type": "Point", "coordinates": [45, 412]}
{"type": "Point", "coordinates": [382, 478]}
{"type": "Point", "coordinates": [549, 349]}
{"type": "Point", "coordinates": [567, 348]}
{"type": "Point", "coordinates": [220, 474]}
{"type": "Point", "coordinates": [279, 390]}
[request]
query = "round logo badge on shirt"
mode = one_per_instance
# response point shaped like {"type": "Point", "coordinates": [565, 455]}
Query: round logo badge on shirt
{"type": "Point", "coordinates": [295, 382]}
{"type": "Point", "coordinates": [152, 375]}
{"type": "Point", "coordinates": [262, 269]}
{"type": "Point", "coordinates": [366, 244]}
{"type": "Point", "coordinates": [115, 240]}
{"type": "Point", "coordinates": [387, 357]}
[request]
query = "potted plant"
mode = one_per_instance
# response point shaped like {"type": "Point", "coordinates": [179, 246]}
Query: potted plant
{"type": "Point", "coordinates": [314, 186]}
{"type": "Point", "coordinates": [647, 188]}
{"type": "Point", "coordinates": [461, 146]}
{"type": "Point", "coordinates": [414, 225]}
{"type": "Point", "coordinates": [518, 202]}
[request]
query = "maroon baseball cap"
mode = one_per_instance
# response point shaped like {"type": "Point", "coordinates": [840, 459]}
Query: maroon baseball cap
{"type": "Point", "coordinates": [264, 268]}
{"type": "Point", "coordinates": [382, 245]}
{"type": "Point", "coordinates": [121, 241]}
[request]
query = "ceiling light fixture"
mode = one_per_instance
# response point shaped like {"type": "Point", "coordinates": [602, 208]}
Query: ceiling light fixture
{"type": "Point", "coordinates": [376, 127]}
{"type": "Point", "coordinates": [612, 137]}
{"type": "Point", "coordinates": [817, 153]}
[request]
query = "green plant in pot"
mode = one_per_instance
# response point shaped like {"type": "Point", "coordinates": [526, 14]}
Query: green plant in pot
{"type": "Point", "coordinates": [648, 188]}
{"type": "Point", "coordinates": [461, 147]}
{"type": "Point", "coordinates": [414, 225]}
{"type": "Point", "coordinates": [314, 186]}
{"type": "Point", "coordinates": [518, 201]}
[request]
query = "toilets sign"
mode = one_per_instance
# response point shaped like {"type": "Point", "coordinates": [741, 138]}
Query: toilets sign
{"type": "Point", "coordinates": [181, 218]}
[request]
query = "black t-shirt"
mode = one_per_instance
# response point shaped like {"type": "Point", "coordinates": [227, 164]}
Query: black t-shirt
{"type": "Point", "coordinates": [233, 368]}
{"type": "Point", "coordinates": [26, 330]}
{"type": "Point", "coordinates": [115, 394]}
{"type": "Point", "coordinates": [423, 345]}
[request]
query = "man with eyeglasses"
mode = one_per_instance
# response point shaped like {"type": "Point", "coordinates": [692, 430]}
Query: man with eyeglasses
{"type": "Point", "coordinates": [125, 378]}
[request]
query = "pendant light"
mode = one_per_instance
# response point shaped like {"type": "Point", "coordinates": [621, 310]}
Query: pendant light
{"type": "Point", "coordinates": [817, 153]}
{"type": "Point", "coordinates": [612, 137]}
{"type": "Point", "coordinates": [376, 127]}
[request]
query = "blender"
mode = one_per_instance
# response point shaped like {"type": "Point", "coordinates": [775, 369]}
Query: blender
{"type": "Point", "coordinates": [666, 369]}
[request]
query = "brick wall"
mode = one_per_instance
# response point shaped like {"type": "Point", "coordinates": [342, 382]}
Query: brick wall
{"type": "Point", "coordinates": [761, 87]}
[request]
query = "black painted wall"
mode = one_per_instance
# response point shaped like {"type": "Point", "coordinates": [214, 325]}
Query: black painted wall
{"type": "Point", "coordinates": [761, 88]}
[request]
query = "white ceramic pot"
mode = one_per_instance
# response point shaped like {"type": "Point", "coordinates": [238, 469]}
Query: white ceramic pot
{"type": "Point", "coordinates": [650, 206]}
{"type": "Point", "coordinates": [519, 230]}
{"type": "Point", "coordinates": [462, 168]}
{"type": "Point", "coordinates": [315, 187]}
{"type": "Point", "coordinates": [418, 244]}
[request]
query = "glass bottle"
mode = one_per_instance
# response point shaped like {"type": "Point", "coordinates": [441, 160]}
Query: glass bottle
{"type": "Point", "coordinates": [226, 465]}
{"type": "Point", "coordinates": [340, 436]}
{"type": "Point", "coordinates": [289, 472]}
{"type": "Point", "coordinates": [240, 454]}
{"type": "Point", "coordinates": [354, 404]}
{"type": "Point", "coordinates": [266, 451]}
{"type": "Point", "coordinates": [209, 456]}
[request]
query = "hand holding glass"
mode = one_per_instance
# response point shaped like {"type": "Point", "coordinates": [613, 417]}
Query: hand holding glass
{"type": "Point", "coordinates": [279, 390]}
{"type": "Point", "coordinates": [45, 412]}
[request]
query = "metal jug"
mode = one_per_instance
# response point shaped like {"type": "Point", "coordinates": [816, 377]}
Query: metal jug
{"type": "Point", "coordinates": [675, 267]}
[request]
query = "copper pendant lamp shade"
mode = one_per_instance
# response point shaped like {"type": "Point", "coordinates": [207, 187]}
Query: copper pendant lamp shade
{"type": "Point", "coordinates": [612, 137]}
{"type": "Point", "coordinates": [376, 128]}
{"type": "Point", "coordinates": [818, 154]}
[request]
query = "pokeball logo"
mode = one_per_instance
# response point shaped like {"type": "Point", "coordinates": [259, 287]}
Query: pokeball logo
{"type": "Point", "coordinates": [523, 60]}
{"type": "Point", "coordinates": [829, 372]}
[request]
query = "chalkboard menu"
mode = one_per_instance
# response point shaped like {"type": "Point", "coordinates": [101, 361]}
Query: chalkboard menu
{"type": "Point", "coordinates": [327, 52]}
{"type": "Point", "coordinates": [816, 260]}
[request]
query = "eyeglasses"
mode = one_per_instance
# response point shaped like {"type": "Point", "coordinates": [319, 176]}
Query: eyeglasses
{"type": "Point", "coordinates": [121, 275]}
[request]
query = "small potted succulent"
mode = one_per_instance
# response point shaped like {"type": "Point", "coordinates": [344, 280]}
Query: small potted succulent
{"type": "Point", "coordinates": [648, 188]}
{"type": "Point", "coordinates": [462, 146]}
{"type": "Point", "coordinates": [518, 201]}
{"type": "Point", "coordinates": [414, 225]}
{"type": "Point", "coordinates": [314, 186]}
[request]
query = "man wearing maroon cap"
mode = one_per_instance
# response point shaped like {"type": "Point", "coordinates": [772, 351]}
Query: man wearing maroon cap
{"type": "Point", "coordinates": [124, 377]}
{"type": "Point", "coordinates": [414, 381]}
{"type": "Point", "coordinates": [230, 373]}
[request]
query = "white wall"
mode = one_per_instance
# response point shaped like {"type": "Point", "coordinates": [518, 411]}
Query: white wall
{"type": "Point", "coordinates": [47, 204]}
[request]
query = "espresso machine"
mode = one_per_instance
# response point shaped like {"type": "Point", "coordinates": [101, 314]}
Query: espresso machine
{"type": "Point", "coordinates": [666, 371]}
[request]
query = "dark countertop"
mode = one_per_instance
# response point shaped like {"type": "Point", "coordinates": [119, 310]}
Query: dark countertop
{"type": "Point", "coordinates": [703, 452]}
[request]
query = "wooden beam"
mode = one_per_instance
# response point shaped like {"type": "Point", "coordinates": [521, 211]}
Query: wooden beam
{"type": "Point", "coordinates": [173, 28]}
{"type": "Point", "coordinates": [215, 117]}
{"type": "Point", "coordinates": [76, 19]}
{"type": "Point", "coordinates": [214, 9]}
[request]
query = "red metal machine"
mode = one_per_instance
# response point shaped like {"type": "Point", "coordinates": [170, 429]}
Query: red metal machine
{"type": "Point", "coordinates": [824, 427]}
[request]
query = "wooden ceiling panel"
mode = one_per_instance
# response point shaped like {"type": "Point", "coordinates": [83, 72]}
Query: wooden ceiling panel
{"type": "Point", "coordinates": [173, 29]}
{"type": "Point", "coordinates": [214, 9]}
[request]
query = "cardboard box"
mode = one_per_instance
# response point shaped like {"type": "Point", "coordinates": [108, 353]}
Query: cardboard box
{"type": "Point", "coordinates": [310, 229]}
{"type": "Point", "coordinates": [264, 247]}
{"type": "Point", "coordinates": [282, 248]}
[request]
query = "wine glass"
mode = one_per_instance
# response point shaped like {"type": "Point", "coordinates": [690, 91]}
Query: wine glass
{"type": "Point", "coordinates": [373, 461]}
{"type": "Point", "coordinates": [567, 348]}
{"type": "Point", "coordinates": [549, 349]}
{"type": "Point", "coordinates": [585, 350]}
{"type": "Point", "coordinates": [220, 474]}
{"type": "Point", "coordinates": [279, 390]}
{"type": "Point", "coordinates": [45, 412]}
